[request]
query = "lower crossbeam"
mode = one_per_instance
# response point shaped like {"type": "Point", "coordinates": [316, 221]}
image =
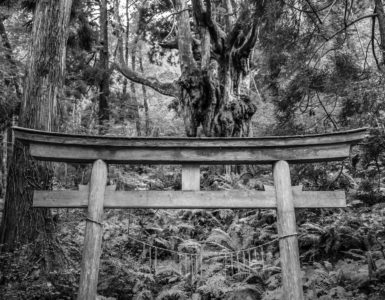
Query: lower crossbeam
{"type": "Point", "coordinates": [189, 199]}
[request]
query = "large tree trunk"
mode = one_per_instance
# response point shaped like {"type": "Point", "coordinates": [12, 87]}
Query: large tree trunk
{"type": "Point", "coordinates": [140, 31]}
{"type": "Point", "coordinates": [215, 95]}
{"type": "Point", "coordinates": [104, 85]}
{"type": "Point", "coordinates": [43, 85]}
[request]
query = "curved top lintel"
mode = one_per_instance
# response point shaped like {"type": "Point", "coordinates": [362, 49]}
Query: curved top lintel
{"type": "Point", "coordinates": [84, 148]}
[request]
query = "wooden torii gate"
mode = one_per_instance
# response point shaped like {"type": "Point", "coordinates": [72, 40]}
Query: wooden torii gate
{"type": "Point", "coordinates": [190, 153]}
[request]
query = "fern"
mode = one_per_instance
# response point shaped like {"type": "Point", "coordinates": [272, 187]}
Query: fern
{"type": "Point", "coordinates": [143, 295]}
{"type": "Point", "coordinates": [172, 294]}
{"type": "Point", "coordinates": [215, 287]}
{"type": "Point", "coordinates": [218, 236]}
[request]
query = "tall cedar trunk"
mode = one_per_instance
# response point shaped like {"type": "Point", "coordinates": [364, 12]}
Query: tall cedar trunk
{"type": "Point", "coordinates": [145, 101]}
{"type": "Point", "coordinates": [126, 52]}
{"type": "Point", "coordinates": [139, 32]}
{"type": "Point", "coordinates": [8, 55]}
{"type": "Point", "coordinates": [134, 105]}
{"type": "Point", "coordinates": [104, 85]}
{"type": "Point", "coordinates": [43, 85]}
{"type": "Point", "coordinates": [379, 10]}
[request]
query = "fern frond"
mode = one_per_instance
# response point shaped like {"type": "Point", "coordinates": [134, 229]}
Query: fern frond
{"type": "Point", "coordinates": [172, 294]}
{"type": "Point", "coordinates": [220, 237]}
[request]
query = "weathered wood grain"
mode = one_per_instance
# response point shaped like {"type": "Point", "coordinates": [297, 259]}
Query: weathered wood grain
{"type": "Point", "coordinates": [295, 149]}
{"type": "Point", "coordinates": [287, 230]}
{"type": "Point", "coordinates": [189, 199]}
{"type": "Point", "coordinates": [82, 154]}
{"type": "Point", "coordinates": [36, 136]}
{"type": "Point", "coordinates": [190, 177]}
{"type": "Point", "coordinates": [85, 188]}
{"type": "Point", "coordinates": [94, 233]}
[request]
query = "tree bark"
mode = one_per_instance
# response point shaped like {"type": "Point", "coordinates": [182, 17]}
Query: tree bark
{"type": "Point", "coordinates": [145, 101]}
{"type": "Point", "coordinates": [126, 44]}
{"type": "Point", "coordinates": [8, 55]}
{"type": "Point", "coordinates": [379, 10]}
{"type": "Point", "coordinates": [43, 86]}
{"type": "Point", "coordinates": [104, 85]}
{"type": "Point", "coordinates": [134, 99]}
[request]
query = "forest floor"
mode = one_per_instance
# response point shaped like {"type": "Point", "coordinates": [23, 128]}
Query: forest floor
{"type": "Point", "coordinates": [342, 250]}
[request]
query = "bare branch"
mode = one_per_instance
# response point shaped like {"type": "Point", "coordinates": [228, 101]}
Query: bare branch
{"type": "Point", "coordinates": [341, 30]}
{"type": "Point", "coordinates": [173, 44]}
{"type": "Point", "coordinates": [314, 11]}
{"type": "Point", "coordinates": [165, 88]}
{"type": "Point", "coordinates": [372, 42]}
{"type": "Point", "coordinates": [309, 11]}
{"type": "Point", "coordinates": [327, 113]}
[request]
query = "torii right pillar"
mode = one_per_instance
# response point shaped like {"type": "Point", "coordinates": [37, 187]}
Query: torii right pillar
{"type": "Point", "coordinates": [287, 231]}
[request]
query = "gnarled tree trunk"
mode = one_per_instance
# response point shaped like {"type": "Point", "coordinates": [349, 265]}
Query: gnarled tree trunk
{"type": "Point", "coordinates": [212, 90]}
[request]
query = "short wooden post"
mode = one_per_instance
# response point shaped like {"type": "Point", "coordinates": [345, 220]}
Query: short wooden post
{"type": "Point", "coordinates": [94, 233]}
{"type": "Point", "coordinates": [190, 177]}
{"type": "Point", "coordinates": [287, 230]}
{"type": "Point", "coordinates": [190, 182]}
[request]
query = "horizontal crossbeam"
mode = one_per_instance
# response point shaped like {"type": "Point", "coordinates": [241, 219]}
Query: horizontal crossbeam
{"type": "Point", "coordinates": [83, 154]}
{"type": "Point", "coordinates": [86, 149]}
{"type": "Point", "coordinates": [189, 199]}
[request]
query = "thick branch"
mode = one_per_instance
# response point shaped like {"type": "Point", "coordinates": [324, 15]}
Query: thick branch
{"type": "Point", "coordinates": [173, 44]}
{"type": "Point", "coordinates": [229, 15]}
{"type": "Point", "coordinates": [165, 88]}
{"type": "Point", "coordinates": [250, 40]}
{"type": "Point", "coordinates": [216, 33]}
{"type": "Point", "coordinates": [314, 11]}
{"type": "Point", "coordinates": [184, 36]}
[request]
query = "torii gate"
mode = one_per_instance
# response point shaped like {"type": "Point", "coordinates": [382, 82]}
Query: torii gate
{"type": "Point", "coordinates": [190, 152]}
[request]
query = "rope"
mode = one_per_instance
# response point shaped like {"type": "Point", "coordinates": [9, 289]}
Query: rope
{"type": "Point", "coordinates": [161, 248]}
{"type": "Point", "coordinates": [94, 221]}
{"type": "Point", "coordinates": [214, 254]}
{"type": "Point", "coordinates": [287, 235]}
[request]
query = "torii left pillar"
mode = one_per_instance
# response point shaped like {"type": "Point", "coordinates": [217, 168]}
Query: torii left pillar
{"type": "Point", "coordinates": [287, 230]}
{"type": "Point", "coordinates": [94, 232]}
